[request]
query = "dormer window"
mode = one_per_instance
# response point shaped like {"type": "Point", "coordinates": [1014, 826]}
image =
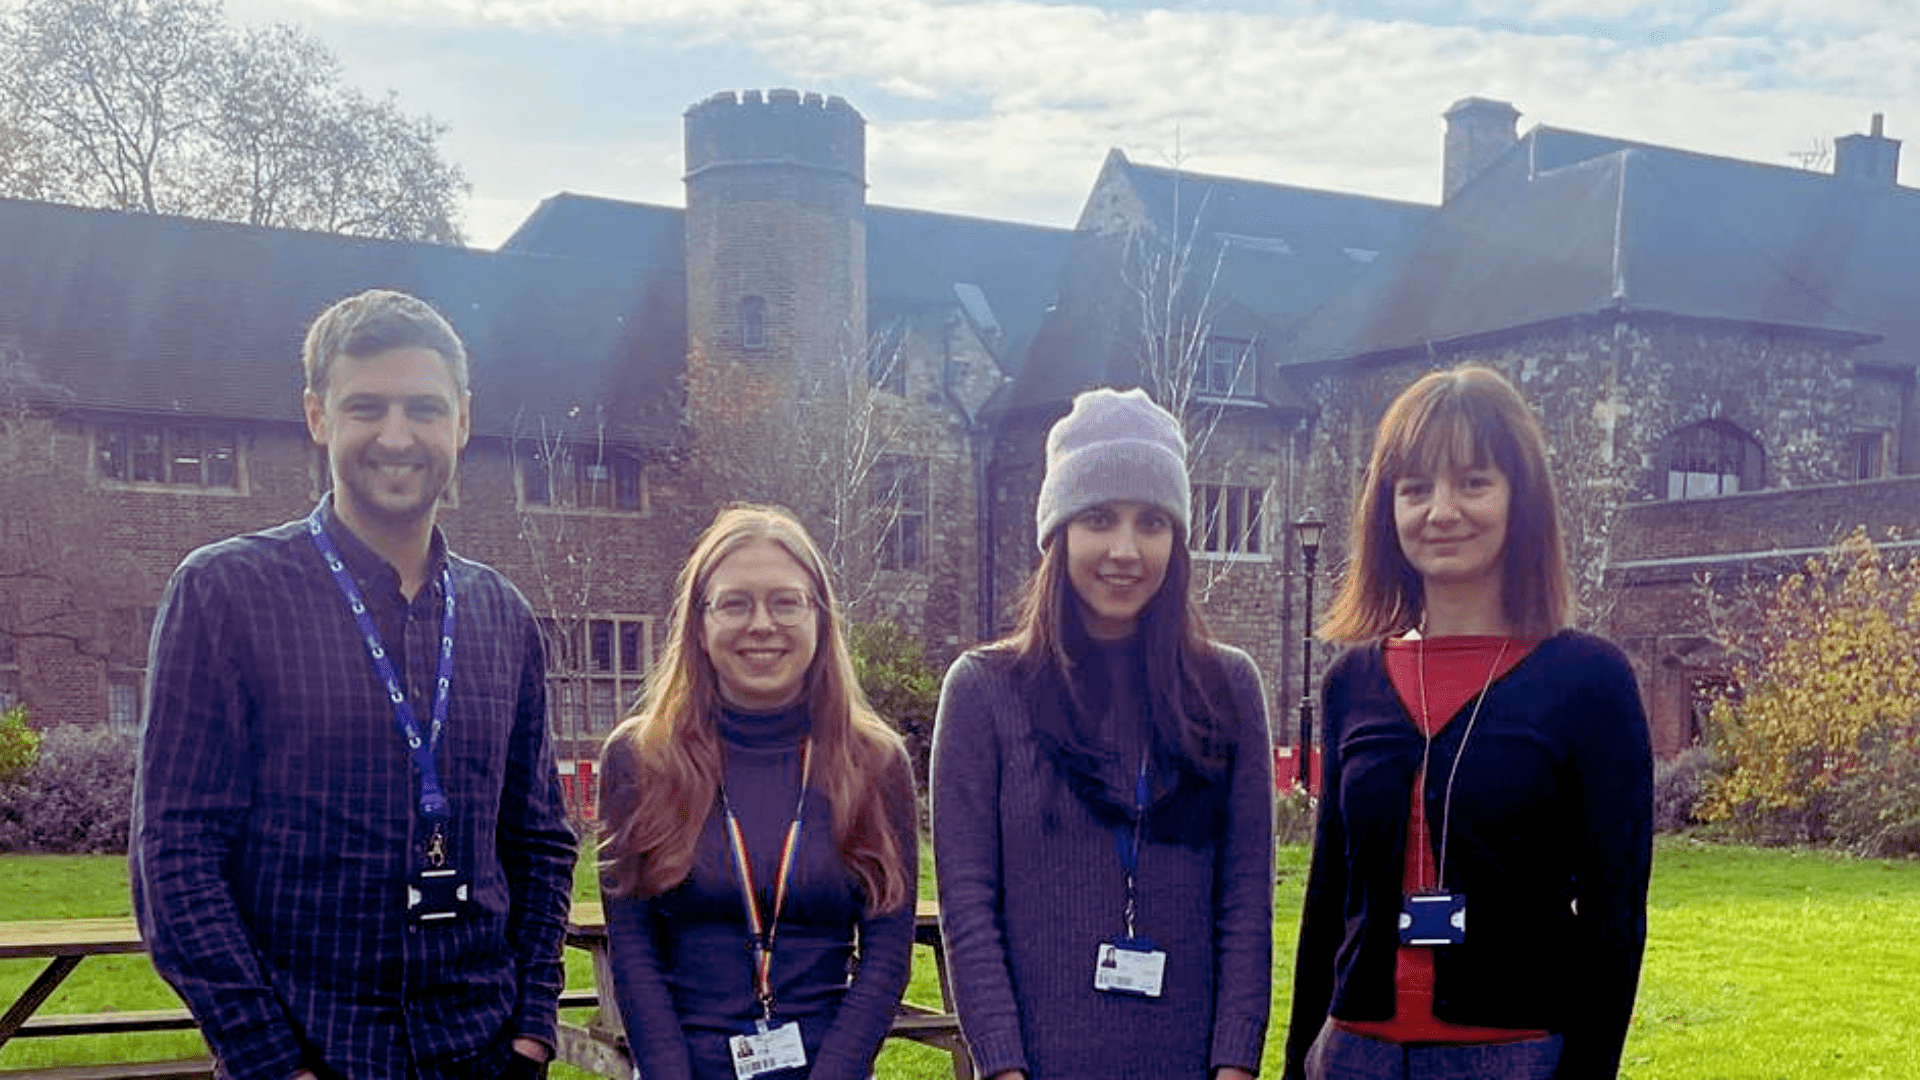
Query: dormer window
{"type": "Point", "coordinates": [1227, 370]}
{"type": "Point", "coordinates": [753, 322]}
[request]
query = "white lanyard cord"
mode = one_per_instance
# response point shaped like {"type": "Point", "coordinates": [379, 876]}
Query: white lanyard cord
{"type": "Point", "coordinates": [1426, 751]}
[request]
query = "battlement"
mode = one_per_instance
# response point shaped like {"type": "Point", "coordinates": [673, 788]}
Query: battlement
{"type": "Point", "coordinates": [781, 127]}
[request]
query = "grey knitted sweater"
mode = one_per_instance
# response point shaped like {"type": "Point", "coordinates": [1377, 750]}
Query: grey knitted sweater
{"type": "Point", "coordinates": [1031, 883]}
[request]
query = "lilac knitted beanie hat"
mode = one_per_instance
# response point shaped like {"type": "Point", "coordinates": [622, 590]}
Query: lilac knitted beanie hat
{"type": "Point", "coordinates": [1113, 445]}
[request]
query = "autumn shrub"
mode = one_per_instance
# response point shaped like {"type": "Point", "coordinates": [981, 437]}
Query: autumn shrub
{"type": "Point", "coordinates": [19, 744]}
{"type": "Point", "coordinates": [77, 797]}
{"type": "Point", "coordinates": [1817, 739]}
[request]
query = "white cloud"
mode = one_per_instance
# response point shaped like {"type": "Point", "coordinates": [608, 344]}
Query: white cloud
{"type": "Point", "coordinates": [1006, 108]}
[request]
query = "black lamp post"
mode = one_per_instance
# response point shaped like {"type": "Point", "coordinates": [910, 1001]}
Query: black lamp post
{"type": "Point", "coordinates": [1308, 529]}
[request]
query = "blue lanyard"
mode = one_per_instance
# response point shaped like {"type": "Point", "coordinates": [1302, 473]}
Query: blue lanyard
{"type": "Point", "coordinates": [433, 801]}
{"type": "Point", "coordinates": [1127, 841]}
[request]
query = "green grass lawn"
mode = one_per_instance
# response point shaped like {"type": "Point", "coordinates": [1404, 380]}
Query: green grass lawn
{"type": "Point", "coordinates": [1762, 965]}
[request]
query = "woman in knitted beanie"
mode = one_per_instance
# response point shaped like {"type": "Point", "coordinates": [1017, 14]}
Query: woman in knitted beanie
{"type": "Point", "coordinates": [1102, 790]}
{"type": "Point", "coordinates": [1476, 904]}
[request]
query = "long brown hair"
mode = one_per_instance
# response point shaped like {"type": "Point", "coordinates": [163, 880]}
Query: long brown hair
{"type": "Point", "coordinates": [1467, 416]}
{"type": "Point", "coordinates": [1183, 680]}
{"type": "Point", "coordinates": [675, 734]}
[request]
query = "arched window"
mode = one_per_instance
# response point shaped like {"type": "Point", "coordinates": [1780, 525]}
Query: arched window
{"type": "Point", "coordinates": [753, 322]}
{"type": "Point", "coordinates": [1713, 458]}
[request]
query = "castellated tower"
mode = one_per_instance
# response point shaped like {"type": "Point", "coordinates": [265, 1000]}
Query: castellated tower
{"type": "Point", "coordinates": [776, 229]}
{"type": "Point", "coordinates": [776, 265]}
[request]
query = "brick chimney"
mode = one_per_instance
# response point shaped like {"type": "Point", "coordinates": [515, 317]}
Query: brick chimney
{"type": "Point", "coordinates": [1871, 159]}
{"type": "Point", "coordinates": [1478, 131]}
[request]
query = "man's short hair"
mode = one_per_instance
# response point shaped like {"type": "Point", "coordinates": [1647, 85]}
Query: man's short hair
{"type": "Point", "coordinates": [372, 323]}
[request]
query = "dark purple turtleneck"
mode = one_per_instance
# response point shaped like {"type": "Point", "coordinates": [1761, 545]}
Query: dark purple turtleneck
{"type": "Point", "coordinates": [681, 964]}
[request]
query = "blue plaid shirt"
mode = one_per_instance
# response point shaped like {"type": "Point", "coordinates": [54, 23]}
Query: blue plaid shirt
{"type": "Point", "coordinates": [275, 816]}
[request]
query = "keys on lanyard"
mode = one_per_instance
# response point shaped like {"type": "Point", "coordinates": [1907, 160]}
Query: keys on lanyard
{"type": "Point", "coordinates": [1131, 965]}
{"type": "Point", "coordinates": [770, 1046]}
{"type": "Point", "coordinates": [438, 890]}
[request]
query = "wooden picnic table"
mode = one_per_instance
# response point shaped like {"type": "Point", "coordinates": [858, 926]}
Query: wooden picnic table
{"type": "Point", "coordinates": [598, 1046]}
{"type": "Point", "coordinates": [63, 943]}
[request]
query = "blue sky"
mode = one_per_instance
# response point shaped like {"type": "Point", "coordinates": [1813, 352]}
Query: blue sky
{"type": "Point", "coordinates": [1005, 108]}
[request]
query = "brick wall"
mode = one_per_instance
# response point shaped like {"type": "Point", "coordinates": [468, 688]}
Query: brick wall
{"type": "Point", "coordinates": [95, 553]}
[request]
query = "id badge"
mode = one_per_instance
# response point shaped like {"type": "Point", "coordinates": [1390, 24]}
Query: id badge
{"type": "Point", "coordinates": [1434, 919]}
{"type": "Point", "coordinates": [1130, 967]}
{"type": "Point", "coordinates": [767, 1049]}
{"type": "Point", "coordinates": [437, 895]}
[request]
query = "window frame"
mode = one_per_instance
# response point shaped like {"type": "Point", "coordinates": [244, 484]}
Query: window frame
{"type": "Point", "coordinates": [900, 487]}
{"type": "Point", "coordinates": [753, 322]}
{"type": "Point", "coordinates": [558, 477]}
{"type": "Point", "coordinates": [1737, 459]}
{"type": "Point", "coordinates": [887, 360]}
{"type": "Point", "coordinates": [1230, 522]}
{"type": "Point", "coordinates": [576, 678]}
{"type": "Point", "coordinates": [1867, 455]}
{"type": "Point", "coordinates": [128, 631]}
{"type": "Point", "coordinates": [1240, 369]}
{"type": "Point", "coordinates": [154, 455]}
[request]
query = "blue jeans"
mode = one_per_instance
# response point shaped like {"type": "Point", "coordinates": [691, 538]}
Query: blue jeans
{"type": "Point", "coordinates": [1338, 1054]}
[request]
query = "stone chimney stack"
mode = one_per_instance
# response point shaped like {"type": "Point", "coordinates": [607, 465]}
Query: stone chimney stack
{"type": "Point", "coordinates": [1478, 131]}
{"type": "Point", "coordinates": [1872, 159]}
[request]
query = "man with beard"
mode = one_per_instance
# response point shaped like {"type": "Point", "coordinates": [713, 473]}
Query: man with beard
{"type": "Point", "coordinates": [350, 856]}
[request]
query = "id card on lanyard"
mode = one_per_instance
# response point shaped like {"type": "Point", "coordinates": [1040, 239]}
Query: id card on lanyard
{"type": "Point", "coordinates": [1131, 965]}
{"type": "Point", "coordinates": [437, 889]}
{"type": "Point", "coordinates": [771, 1045]}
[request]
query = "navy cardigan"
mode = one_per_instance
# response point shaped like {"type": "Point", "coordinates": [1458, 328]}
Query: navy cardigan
{"type": "Point", "coordinates": [1550, 841]}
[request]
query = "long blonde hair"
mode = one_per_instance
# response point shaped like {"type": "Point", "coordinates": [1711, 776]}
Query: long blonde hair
{"type": "Point", "coordinates": [675, 737]}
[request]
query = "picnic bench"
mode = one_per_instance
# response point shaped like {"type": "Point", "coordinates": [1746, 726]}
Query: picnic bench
{"type": "Point", "coordinates": [597, 1046]}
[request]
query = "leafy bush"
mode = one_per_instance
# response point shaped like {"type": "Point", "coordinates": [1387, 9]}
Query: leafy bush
{"type": "Point", "coordinates": [77, 797]}
{"type": "Point", "coordinates": [19, 744]}
{"type": "Point", "coordinates": [1819, 734]}
{"type": "Point", "coordinates": [901, 685]}
{"type": "Point", "coordinates": [1677, 787]}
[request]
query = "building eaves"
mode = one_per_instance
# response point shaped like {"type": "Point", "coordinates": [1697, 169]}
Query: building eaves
{"type": "Point", "coordinates": [169, 316]}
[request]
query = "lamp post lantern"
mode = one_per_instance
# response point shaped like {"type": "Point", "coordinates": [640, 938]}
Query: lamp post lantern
{"type": "Point", "coordinates": [1308, 530]}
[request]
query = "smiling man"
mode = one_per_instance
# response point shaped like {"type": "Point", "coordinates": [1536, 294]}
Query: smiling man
{"type": "Point", "coordinates": [350, 855]}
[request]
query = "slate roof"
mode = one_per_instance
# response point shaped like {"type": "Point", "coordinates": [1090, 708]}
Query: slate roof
{"type": "Point", "coordinates": [612, 230]}
{"type": "Point", "coordinates": [915, 258]}
{"type": "Point", "coordinates": [1568, 224]}
{"type": "Point", "coordinates": [174, 316]}
{"type": "Point", "coordinates": [1282, 252]}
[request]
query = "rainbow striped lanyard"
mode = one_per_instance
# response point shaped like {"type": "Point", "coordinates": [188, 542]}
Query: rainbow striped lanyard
{"type": "Point", "coordinates": [763, 928]}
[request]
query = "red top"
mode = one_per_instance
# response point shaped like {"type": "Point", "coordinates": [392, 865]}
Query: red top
{"type": "Point", "coordinates": [1456, 670]}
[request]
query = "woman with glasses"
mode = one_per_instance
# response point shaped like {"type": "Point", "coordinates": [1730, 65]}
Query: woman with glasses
{"type": "Point", "coordinates": [1103, 793]}
{"type": "Point", "coordinates": [1476, 904]}
{"type": "Point", "coordinates": [759, 853]}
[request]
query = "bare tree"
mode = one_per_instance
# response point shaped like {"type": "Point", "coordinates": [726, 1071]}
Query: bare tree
{"type": "Point", "coordinates": [159, 106]}
{"type": "Point", "coordinates": [1173, 284]}
{"type": "Point", "coordinates": [59, 571]}
{"type": "Point", "coordinates": [817, 441]}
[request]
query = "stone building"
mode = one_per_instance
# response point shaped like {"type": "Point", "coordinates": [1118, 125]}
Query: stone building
{"type": "Point", "coordinates": [1723, 353]}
